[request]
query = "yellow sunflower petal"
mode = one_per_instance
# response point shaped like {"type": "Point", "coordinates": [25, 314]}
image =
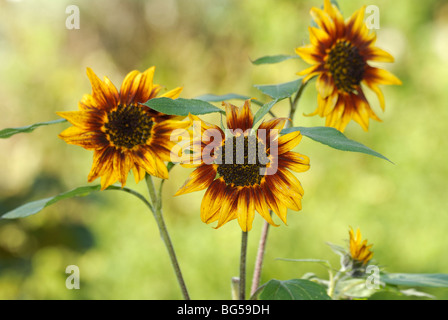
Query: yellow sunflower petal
{"type": "Point", "coordinates": [173, 94]}
{"type": "Point", "coordinates": [212, 201]}
{"type": "Point", "coordinates": [294, 161]}
{"type": "Point", "coordinates": [144, 86]}
{"type": "Point", "coordinates": [381, 76]}
{"type": "Point", "coordinates": [129, 87]}
{"type": "Point", "coordinates": [323, 20]}
{"type": "Point", "coordinates": [288, 141]}
{"type": "Point", "coordinates": [261, 205]}
{"type": "Point", "coordinates": [308, 54]}
{"type": "Point", "coordinates": [325, 85]}
{"type": "Point", "coordinates": [246, 208]}
{"type": "Point", "coordinates": [89, 140]}
{"type": "Point", "coordinates": [105, 97]}
{"type": "Point", "coordinates": [228, 209]}
{"type": "Point", "coordinates": [377, 54]}
{"type": "Point", "coordinates": [199, 179]}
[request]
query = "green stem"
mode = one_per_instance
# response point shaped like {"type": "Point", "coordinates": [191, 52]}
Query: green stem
{"type": "Point", "coordinates": [157, 206]}
{"type": "Point", "coordinates": [293, 103]}
{"type": "Point", "coordinates": [333, 281]}
{"type": "Point", "coordinates": [135, 193]}
{"type": "Point", "coordinates": [243, 266]}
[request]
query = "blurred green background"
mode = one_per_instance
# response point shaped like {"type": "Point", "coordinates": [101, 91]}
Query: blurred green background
{"type": "Point", "coordinates": [206, 47]}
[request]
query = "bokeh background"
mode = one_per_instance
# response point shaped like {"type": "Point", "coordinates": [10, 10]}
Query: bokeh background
{"type": "Point", "coordinates": [206, 47]}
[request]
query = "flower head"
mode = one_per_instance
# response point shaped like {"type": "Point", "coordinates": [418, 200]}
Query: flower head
{"type": "Point", "coordinates": [339, 53]}
{"type": "Point", "coordinates": [359, 251]}
{"type": "Point", "coordinates": [245, 169]}
{"type": "Point", "coordinates": [123, 133]}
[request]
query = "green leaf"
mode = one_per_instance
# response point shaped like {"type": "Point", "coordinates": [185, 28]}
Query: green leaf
{"type": "Point", "coordinates": [181, 107]}
{"type": "Point", "coordinates": [335, 139]}
{"type": "Point", "coordinates": [355, 288]}
{"type": "Point", "coordinates": [325, 263]}
{"type": "Point", "coordinates": [273, 59]}
{"type": "Point", "coordinates": [282, 90]}
{"type": "Point", "coordinates": [264, 110]}
{"type": "Point", "coordinates": [433, 280]}
{"type": "Point", "coordinates": [229, 96]}
{"type": "Point", "coordinates": [8, 132]}
{"type": "Point", "coordinates": [294, 289]}
{"type": "Point", "coordinates": [34, 207]}
{"type": "Point", "coordinates": [337, 249]}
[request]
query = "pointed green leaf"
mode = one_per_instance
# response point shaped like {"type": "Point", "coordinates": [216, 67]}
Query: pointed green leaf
{"type": "Point", "coordinates": [34, 207]}
{"type": "Point", "coordinates": [181, 107]}
{"type": "Point", "coordinates": [8, 132]}
{"type": "Point", "coordinates": [294, 289]}
{"type": "Point", "coordinates": [264, 110]}
{"type": "Point", "coordinates": [273, 59]}
{"type": "Point", "coordinates": [335, 139]}
{"type": "Point", "coordinates": [325, 263]}
{"type": "Point", "coordinates": [416, 279]}
{"type": "Point", "coordinates": [282, 90]}
{"type": "Point", "coordinates": [224, 97]}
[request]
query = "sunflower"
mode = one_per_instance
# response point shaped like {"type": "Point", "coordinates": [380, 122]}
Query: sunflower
{"type": "Point", "coordinates": [123, 133]}
{"type": "Point", "coordinates": [245, 169]}
{"type": "Point", "coordinates": [359, 251]}
{"type": "Point", "coordinates": [339, 52]}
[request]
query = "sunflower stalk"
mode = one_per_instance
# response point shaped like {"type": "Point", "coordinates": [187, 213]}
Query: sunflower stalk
{"type": "Point", "coordinates": [264, 232]}
{"type": "Point", "coordinates": [156, 201]}
{"type": "Point", "coordinates": [243, 257]}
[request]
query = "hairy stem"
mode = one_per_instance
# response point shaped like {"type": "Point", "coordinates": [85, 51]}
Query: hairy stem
{"type": "Point", "coordinates": [259, 260]}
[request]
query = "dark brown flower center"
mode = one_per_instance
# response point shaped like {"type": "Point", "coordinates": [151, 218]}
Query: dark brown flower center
{"type": "Point", "coordinates": [346, 66]}
{"type": "Point", "coordinates": [128, 126]}
{"type": "Point", "coordinates": [242, 164]}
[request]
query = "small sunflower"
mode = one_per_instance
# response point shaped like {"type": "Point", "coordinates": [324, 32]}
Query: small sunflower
{"type": "Point", "coordinates": [339, 52]}
{"type": "Point", "coordinates": [359, 251]}
{"type": "Point", "coordinates": [241, 170]}
{"type": "Point", "coordinates": [124, 134]}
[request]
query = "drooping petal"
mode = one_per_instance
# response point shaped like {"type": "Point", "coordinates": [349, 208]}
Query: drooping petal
{"type": "Point", "coordinates": [228, 209]}
{"type": "Point", "coordinates": [199, 179]}
{"type": "Point", "coordinates": [212, 201]}
{"type": "Point", "coordinates": [325, 85]}
{"type": "Point", "coordinates": [246, 208]}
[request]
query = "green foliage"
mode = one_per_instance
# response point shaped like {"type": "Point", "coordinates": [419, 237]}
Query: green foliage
{"type": "Point", "coordinates": [34, 207]}
{"type": "Point", "coordinates": [181, 107]}
{"type": "Point", "coordinates": [282, 90]}
{"type": "Point", "coordinates": [264, 110]}
{"type": "Point", "coordinates": [294, 289]}
{"type": "Point", "coordinates": [335, 139]}
{"type": "Point", "coordinates": [8, 132]}
{"type": "Point", "coordinates": [429, 280]}
{"type": "Point", "coordinates": [273, 59]}
{"type": "Point", "coordinates": [224, 97]}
